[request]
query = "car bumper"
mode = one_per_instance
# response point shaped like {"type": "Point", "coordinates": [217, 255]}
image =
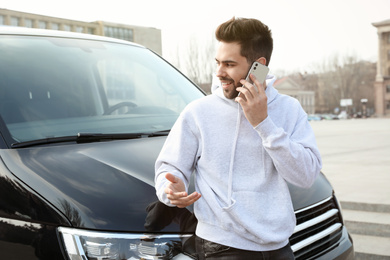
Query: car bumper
{"type": "Point", "coordinates": [343, 251]}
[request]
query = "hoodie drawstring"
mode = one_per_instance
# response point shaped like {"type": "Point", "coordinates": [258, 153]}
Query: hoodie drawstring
{"type": "Point", "coordinates": [230, 180]}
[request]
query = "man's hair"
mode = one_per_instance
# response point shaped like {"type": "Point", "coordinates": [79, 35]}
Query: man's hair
{"type": "Point", "coordinates": [254, 37]}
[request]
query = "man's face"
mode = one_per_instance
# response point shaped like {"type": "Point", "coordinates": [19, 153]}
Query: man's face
{"type": "Point", "coordinates": [231, 68]}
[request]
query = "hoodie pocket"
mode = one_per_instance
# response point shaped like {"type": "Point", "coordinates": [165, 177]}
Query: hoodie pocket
{"type": "Point", "coordinates": [259, 218]}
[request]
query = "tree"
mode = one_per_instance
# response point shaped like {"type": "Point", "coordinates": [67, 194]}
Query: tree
{"type": "Point", "coordinates": [345, 77]}
{"type": "Point", "coordinates": [196, 58]}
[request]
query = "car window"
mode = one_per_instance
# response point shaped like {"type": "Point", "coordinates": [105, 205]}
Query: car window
{"type": "Point", "coordinates": [52, 87]}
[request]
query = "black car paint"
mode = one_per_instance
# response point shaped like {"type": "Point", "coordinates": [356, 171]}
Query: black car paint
{"type": "Point", "coordinates": [28, 221]}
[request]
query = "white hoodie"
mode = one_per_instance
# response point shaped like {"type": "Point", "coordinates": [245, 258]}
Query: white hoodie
{"type": "Point", "coordinates": [241, 170]}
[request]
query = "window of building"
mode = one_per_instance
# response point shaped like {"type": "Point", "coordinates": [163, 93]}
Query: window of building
{"type": "Point", "coordinates": [28, 23]}
{"type": "Point", "coordinates": [55, 26]}
{"type": "Point", "coordinates": [2, 19]}
{"type": "Point", "coordinates": [79, 29]}
{"type": "Point", "coordinates": [42, 24]}
{"type": "Point", "coordinates": [119, 33]}
{"type": "Point", "coordinates": [15, 21]}
{"type": "Point", "coordinates": [91, 30]}
{"type": "Point", "coordinates": [388, 105]}
{"type": "Point", "coordinates": [387, 88]}
{"type": "Point", "coordinates": [107, 31]}
{"type": "Point", "coordinates": [66, 27]}
{"type": "Point", "coordinates": [303, 101]}
{"type": "Point", "coordinates": [128, 35]}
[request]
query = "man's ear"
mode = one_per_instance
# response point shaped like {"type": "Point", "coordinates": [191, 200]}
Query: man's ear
{"type": "Point", "coordinates": [262, 60]}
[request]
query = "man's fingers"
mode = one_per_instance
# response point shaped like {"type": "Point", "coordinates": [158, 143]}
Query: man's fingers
{"type": "Point", "coordinates": [170, 177]}
{"type": "Point", "coordinates": [248, 89]}
{"type": "Point", "coordinates": [174, 195]}
{"type": "Point", "coordinates": [183, 201]}
{"type": "Point", "coordinates": [259, 85]}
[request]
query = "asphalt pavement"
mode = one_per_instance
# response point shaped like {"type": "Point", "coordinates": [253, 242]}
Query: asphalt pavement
{"type": "Point", "coordinates": [356, 158]}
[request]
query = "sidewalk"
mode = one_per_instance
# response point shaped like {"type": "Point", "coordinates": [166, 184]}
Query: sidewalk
{"type": "Point", "coordinates": [356, 158]}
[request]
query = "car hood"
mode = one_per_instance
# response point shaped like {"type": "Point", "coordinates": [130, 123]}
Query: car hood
{"type": "Point", "coordinates": [105, 185]}
{"type": "Point", "coordinates": [110, 185]}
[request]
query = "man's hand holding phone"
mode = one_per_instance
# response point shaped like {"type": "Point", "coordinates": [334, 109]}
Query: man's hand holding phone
{"type": "Point", "coordinates": [176, 192]}
{"type": "Point", "coordinates": [253, 100]}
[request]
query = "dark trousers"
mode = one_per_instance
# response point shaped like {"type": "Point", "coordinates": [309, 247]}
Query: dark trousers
{"type": "Point", "coordinates": [213, 251]}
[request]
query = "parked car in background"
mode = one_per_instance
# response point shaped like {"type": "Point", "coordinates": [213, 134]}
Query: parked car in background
{"type": "Point", "coordinates": [82, 120]}
{"type": "Point", "coordinates": [343, 115]}
{"type": "Point", "coordinates": [329, 117]}
{"type": "Point", "coordinates": [314, 117]}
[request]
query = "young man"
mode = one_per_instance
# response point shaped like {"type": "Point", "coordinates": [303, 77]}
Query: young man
{"type": "Point", "coordinates": [244, 149]}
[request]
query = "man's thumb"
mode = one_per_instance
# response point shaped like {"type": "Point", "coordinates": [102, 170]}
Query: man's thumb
{"type": "Point", "coordinates": [170, 177]}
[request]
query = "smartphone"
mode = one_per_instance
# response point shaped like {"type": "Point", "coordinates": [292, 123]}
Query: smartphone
{"type": "Point", "coordinates": [259, 70]}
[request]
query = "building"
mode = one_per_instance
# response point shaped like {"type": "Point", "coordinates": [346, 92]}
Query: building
{"type": "Point", "coordinates": [148, 37]}
{"type": "Point", "coordinates": [289, 87]}
{"type": "Point", "coordinates": [382, 80]}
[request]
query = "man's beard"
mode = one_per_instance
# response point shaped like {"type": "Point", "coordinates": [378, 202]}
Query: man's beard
{"type": "Point", "coordinates": [231, 93]}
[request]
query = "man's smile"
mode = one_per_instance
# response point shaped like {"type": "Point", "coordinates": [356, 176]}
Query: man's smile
{"type": "Point", "coordinates": [226, 83]}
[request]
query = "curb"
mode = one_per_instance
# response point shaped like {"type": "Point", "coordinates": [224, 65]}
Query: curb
{"type": "Point", "coordinates": [363, 256]}
{"type": "Point", "coordinates": [361, 206]}
{"type": "Point", "coordinates": [368, 229]}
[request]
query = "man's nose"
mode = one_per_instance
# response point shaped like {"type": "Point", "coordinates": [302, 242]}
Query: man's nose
{"type": "Point", "coordinates": [220, 72]}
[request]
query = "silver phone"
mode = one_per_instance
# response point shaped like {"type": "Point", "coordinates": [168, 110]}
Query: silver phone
{"type": "Point", "coordinates": [259, 70]}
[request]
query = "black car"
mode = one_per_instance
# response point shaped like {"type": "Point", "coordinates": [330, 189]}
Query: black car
{"type": "Point", "coordinates": [82, 120]}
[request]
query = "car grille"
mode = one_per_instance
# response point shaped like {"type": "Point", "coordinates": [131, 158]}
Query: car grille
{"type": "Point", "coordinates": [318, 229]}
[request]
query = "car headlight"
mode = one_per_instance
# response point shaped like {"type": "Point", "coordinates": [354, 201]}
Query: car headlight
{"type": "Point", "coordinates": [92, 245]}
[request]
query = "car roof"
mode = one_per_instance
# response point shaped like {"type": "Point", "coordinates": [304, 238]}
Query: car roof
{"type": "Point", "coordinates": [12, 30]}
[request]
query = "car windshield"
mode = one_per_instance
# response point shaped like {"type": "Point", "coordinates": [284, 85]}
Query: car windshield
{"type": "Point", "coordinates": [55, 87]}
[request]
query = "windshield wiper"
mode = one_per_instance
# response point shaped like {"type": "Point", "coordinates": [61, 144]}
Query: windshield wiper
{"type": "Point", "coordinates": [96, 137]}
{"type": "Point", "coordinates": [88, 138]}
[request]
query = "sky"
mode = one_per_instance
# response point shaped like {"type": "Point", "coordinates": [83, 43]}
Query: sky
{"type": "Point", "coordinates": [306, 32]}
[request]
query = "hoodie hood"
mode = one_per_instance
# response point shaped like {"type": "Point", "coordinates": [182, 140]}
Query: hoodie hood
{"type": "Point", "coordinates": [271, 92]}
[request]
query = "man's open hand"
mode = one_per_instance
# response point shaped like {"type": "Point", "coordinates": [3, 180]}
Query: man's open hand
{"type": "Point", "coordinates": [177, 194]}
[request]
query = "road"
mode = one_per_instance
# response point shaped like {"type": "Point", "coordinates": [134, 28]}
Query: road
{"type": "Point", "coordinates": [356, 158]}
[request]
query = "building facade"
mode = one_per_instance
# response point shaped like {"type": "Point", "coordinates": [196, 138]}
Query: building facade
{"type": "Point", "coordinates": [289, 87]}
{"type": "Point", "coordinates": [148, 37]}
{"type": "Point", "coordinates": [382, 80]}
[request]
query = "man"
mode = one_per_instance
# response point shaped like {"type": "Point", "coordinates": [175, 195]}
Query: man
{"type": "Point", "coordinates": [244, 149]}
